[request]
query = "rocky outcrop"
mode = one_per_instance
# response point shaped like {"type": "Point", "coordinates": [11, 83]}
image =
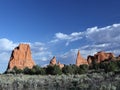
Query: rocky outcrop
{"type": "Point", "coordinates": [53, 62]}
{"type": "Point", "coordinates": [80, 60]}
{"type": "Point", "coordinates": [60, 65]}
{"type": "Point", "coordinates": [99, 57]}
{"type": "Point", "coordinates": [21, 57]}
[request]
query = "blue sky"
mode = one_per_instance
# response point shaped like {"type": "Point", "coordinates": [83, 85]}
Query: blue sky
{"type": "Point", "coordinates": [59, 28]}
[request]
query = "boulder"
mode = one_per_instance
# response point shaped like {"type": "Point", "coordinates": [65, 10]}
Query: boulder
{"type": "Point", "coordinates": [80, 60]}
{"type": "Point", "coordinates": [21, 57]}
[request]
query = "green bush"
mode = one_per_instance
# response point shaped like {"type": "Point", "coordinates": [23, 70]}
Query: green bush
{"type": "Point", "coordinates": [67, 69]}
{"type": "Point", "coordinates": [27, 71]}
{"type": "Point", "coordinates": [43, 71]}
{"type": "Point", "coordinates": [111, 66]}
{"type": "Point", "coordinates": [17, 71]}
{"type": "Point", "coordinates": [94, 65]}
{"type": "Point", "coordinates": [53, 70]}
{"type": "Point", "coordinates": [83, 69]}
{"type": "Point", "coordinates": [36, 70]}
{"type": "Point", "coordinates": [75, 69]}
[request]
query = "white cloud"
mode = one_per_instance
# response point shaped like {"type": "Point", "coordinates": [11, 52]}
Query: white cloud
{"type": "Point", "coordinates": [68, 57]}
{"type": "Point", "coordinates": [40, 52]}
{"type": "Point", "coordinates": [4, 59]}
{"type": "Point", "coordinates": [106, 38]}
{"type": "Point", "coordinates": [5, 51]}
{"type": "Point", "coordinates": [6, 45]}
{"type": "Point", "coordinates": [5, 56]}
{"type": "Point", "coordinates": [96, 35]}
{"type": "Point", "coordinates": [108, 34]}
{"type": "Point", "coordinates": [37, 47]}
{"type": "Point", "coordinates": [62, 36]}
{"type": "Point", "coordinates": [68, 38]}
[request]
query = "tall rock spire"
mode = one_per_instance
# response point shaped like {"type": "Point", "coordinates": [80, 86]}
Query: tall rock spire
{"type": "Point", "coordinates": [21, 57]}
{"type": "Point", "coordinates": [80, 60]}
{"type": "Point", "coordinates": [53, 61]}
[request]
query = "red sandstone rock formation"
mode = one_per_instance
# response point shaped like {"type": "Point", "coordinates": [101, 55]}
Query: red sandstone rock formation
{"type": "Point", "coordinates": [60, 65]}
{"type": "Point", "coordinates": [99, 57]}
{"type": "Point", "coordinates": [21, 57]}
{"type": "Point", "coordinates": [54, 62]}
{"type": "Point", "coordinates": [80, 60]}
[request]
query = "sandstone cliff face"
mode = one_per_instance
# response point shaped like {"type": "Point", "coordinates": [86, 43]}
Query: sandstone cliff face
{"type": "Point", "coordinates": [99, 57]}
{"type": "Point", "coordinates": [80, 60]}
{"type": "Point", "coordinates": [54, 62]}
{"type": "Point", "coordinates": [21, 57]}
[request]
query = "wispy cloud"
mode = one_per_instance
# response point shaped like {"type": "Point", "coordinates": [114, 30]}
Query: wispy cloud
{"type": "Point", "coordinates": [102, 35]}
{"type": "Point", "coordinates": [40, 52]}
{"type": "Point", "coordinates": [108, 34]}
{"type": "Point", "coordinates": [68, 57]}
{"type": "Point", "coordinates": [68, 38]}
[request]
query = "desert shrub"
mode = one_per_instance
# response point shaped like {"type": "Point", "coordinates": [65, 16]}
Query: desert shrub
{"type": "Point", "coordinates": [83, 69]}
{"type": "Point", "coordinates": [53, 70]}
{"type": "Point", "coordinates": [27, 71]}
{"type": "Point", "coordinates": [118, 64]}
{"type": "Point", "coordinates": [103, 65]}
{"type": "Point", "coordinates": [36, 70]}
{"type": "Point", "coordinates": [111, 66]}
{"type": "Point", "coordinates": [67, 69]}
{"type": "Point", "coordinates": [43, 71]}
{"type": "Point", "coordinates": [15, 70]}
{"type": "Point", "coordinates": [75, 69]}
{"type": "Point", "coordinates": [94, 65]}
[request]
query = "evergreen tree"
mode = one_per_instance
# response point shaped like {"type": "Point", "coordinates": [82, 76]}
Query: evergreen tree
{"type": "Point", "coordinates": [53, 70]}
{"type": "Point", "coordinates": [67, 69]}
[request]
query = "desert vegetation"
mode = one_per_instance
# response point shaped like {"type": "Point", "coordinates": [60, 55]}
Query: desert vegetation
{"type": "Point", "coordinates": [96, 76]}
{"type": "Point", "coordinates": [88, 81]}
